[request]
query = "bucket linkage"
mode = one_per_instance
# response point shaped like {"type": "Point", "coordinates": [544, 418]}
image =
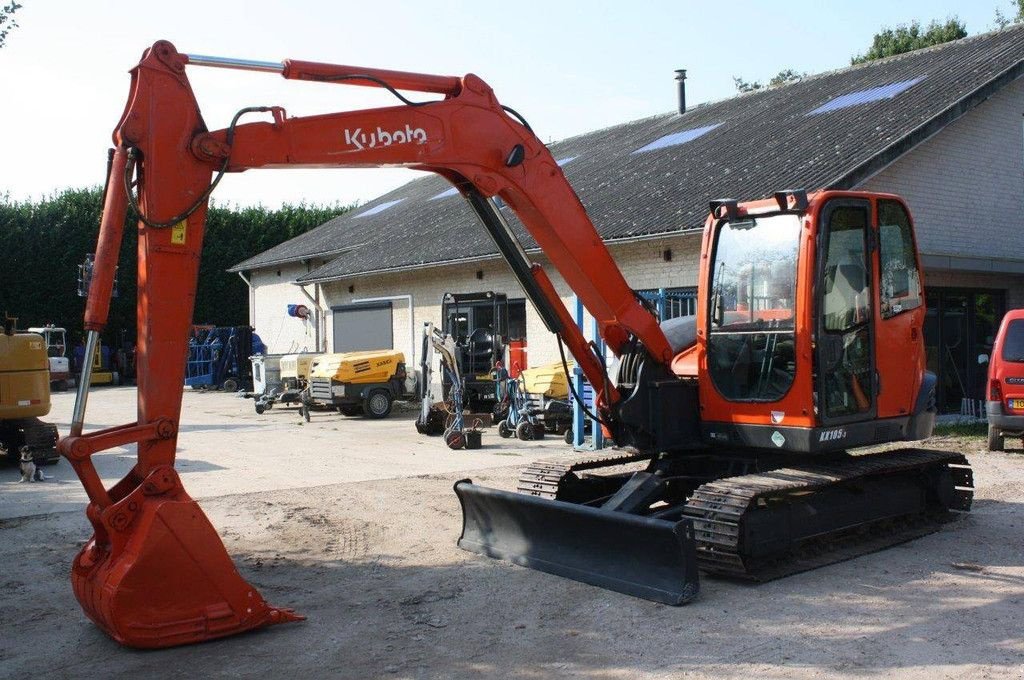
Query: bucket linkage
{"type": "Point", "coordinates": [155, 573]}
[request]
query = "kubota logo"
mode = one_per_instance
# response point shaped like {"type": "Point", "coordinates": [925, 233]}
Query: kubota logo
{"type": "Point", "coordinates": [368, 140]}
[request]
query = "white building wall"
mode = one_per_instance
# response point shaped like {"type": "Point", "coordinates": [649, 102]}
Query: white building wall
{"type": "Point", "coordinates": [643, 264]}
{"type": "Point", "coordinates": [273, 291]}
{"type": "Point", "coordinates": [965, 185]}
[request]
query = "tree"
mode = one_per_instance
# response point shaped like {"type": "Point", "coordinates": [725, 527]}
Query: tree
{"type": "Point", "coordinates": [745, 86]}
{"type": "Point", "coordinates": [1002, 20]}
{"type": "Point", "coordinates": [43, 242]}
{"type": "Point", "coordinates": [907, 38]}
{"type": "Point", "coordinates": [783, 77]}
{"type": "Point", "coordinates": [7, 22]}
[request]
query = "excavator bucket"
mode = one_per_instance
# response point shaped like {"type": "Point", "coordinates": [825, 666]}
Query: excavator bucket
{"type": "Point", "coordinates": [640, 556]}
{"type": "Point", "coordinates": [156, 574]}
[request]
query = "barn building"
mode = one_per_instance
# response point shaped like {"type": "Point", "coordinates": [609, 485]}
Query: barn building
{"type": "Point", "coordinates": [943, 127]}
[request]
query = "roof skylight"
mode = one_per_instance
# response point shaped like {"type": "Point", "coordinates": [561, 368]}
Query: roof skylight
{"type": "Point", "coordinates": [445, 194]}
{"type": "Point", "coordinates": [378, 208]}
{"type": "Point", "coordinates": [677, 138]}
{"type": "Point", "coordinates": [873, 94]}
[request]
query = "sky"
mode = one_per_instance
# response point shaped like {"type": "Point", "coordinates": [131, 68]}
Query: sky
{"type": "Point", "coordinates": [568, 67]}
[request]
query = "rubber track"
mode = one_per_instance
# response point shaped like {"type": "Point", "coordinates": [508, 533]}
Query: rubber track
{"type": "Point", "coordinates": [542, 477]}
{"type": "Point", "coordinates": [718, 510]}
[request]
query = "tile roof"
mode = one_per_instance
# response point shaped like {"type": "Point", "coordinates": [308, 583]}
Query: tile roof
{"type": "Point", "coordinates": [831, 130]}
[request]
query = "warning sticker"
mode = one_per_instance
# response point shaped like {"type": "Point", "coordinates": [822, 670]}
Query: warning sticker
{"type": "Point", "coordinates": [178, 233]}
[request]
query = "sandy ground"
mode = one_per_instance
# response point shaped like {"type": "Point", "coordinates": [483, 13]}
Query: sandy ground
{"type": "Point", "coordinates": [364, 545]}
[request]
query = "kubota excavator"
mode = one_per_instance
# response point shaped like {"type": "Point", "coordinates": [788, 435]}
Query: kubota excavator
{"type": "Point", "coordinates": [807, 342]}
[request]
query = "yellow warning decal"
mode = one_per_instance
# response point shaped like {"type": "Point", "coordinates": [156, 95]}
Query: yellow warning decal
{"type": "Point", "coordinates": [178, 233]}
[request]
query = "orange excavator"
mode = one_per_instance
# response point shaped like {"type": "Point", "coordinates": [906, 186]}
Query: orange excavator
{"type": "Point", "coordinates": [732, 428]}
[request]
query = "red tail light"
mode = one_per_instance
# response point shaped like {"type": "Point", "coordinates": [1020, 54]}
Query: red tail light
{"type": "Point", "coordinates": [995, 391]}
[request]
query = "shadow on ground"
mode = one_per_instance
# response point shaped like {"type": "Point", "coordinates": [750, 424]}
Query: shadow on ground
{"type": "Point", "coordinates": [387, 603]}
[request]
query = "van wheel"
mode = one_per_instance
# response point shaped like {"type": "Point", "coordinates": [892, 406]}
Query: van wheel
{"type": "Point", "coordinates": [995, 439]}
{"type": "Point", "coordinates": [377, 404]}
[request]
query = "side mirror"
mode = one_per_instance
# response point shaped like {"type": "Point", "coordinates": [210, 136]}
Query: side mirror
{"type": "Point", "coordinates": [718, 309]}
{"type": "Point", "coordinates": [982, 358]}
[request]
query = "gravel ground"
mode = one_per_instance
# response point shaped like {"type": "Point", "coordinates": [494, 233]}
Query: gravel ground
{"type": "Point", "coordinates": [368, 554]}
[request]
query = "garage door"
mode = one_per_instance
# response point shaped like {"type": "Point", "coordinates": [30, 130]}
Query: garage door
{"type": "Point", "coordinates": [359, 327]}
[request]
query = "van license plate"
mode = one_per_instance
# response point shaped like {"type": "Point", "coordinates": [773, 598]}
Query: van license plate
{"type": "Point", "coordinates": [1017, 404]}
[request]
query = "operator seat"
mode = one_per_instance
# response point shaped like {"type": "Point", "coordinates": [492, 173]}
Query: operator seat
{"type": "Point", "coordinates": [481, 349]}
{"type": "Point", "coordinates": [844, 286]}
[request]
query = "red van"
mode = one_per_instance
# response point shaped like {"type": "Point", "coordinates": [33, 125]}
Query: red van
{"type": "Point", "coordinates": [1005, 406]}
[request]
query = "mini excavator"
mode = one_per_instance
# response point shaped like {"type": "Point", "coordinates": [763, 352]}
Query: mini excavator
{"type": "Point", "coordinates": [734, 428]}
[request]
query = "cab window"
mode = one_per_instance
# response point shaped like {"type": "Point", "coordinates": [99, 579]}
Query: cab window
{"type": "Point", "coordinates": [751, 345]}
{"type": "Point", "coordinates": [900, 289]}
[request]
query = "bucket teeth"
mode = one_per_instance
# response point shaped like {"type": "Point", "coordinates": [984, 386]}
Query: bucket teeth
{"type": "Point", "coordinates": [156, 573]}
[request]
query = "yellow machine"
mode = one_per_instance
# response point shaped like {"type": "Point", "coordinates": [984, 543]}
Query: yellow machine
{"type": "Point", "coordinates": [24, 396]}
{"type": "Point", "coordinates": [549, 380]}
{"type": "Point", "coordinates": [280, 379]}
{"type": "Point", "coordinates": [102, 373]}
{"type": "Point", "coordinates": [357, 382]}
{"type": "Point", "coordinates": [295, 369]}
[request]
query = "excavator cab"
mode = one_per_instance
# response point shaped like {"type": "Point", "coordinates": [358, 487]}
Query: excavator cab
{"type": "Point", "coordinates": [779, 375]}
{"type": "Point", "coordinates": [800, 294]}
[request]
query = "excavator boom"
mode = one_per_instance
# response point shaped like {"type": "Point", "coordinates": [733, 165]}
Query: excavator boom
{"type": "Point", "coordinates": [155, 573]}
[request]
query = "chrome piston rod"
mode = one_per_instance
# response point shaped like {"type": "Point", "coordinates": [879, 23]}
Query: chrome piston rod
{"type": "Point", "coordinates": [82, 395]}
{"type": "Point", "coordinates": [237, 64]}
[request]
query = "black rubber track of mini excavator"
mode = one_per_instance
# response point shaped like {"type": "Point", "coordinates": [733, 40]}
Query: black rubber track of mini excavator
{"type": "Point", "coordinates": [541, 478]}
{"type": "Point", "coordinates": [720, 508]}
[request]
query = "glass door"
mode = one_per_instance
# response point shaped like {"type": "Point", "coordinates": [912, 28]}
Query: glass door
{"type": "Point", "coordinates": [846, 364]}
{"type": "Point", "coordinates": [960, 325]}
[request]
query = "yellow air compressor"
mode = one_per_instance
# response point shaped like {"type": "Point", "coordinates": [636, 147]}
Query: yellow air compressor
{"type": "Point", "coordinates": [357, 382]}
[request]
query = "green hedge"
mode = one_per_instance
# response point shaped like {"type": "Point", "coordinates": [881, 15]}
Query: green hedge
{"type": "Point", "coordinates": [43, 242]}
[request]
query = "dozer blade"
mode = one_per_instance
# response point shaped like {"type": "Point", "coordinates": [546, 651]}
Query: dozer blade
{"type": "Point", "coordinates": [640, 556]}
{"type": "Point", "coordinates": [156, 574]}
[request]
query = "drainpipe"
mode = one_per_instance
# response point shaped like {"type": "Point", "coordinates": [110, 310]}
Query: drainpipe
{"type": "Point", "coordinates": [412, 323]}
{"type": "Point", "coordinates": [317, 312]}
{"type": "Point", "coordinates": [252, 300]}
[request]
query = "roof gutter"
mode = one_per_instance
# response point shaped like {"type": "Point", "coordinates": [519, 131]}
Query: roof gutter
{"type": "Point", "coordinates": [244, 264]}
{"type": "Point", "coordinates": [689, 231]}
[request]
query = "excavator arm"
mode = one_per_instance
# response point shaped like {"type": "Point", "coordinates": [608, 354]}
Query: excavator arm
{"type": "Point", "coordinates": [155, 573]}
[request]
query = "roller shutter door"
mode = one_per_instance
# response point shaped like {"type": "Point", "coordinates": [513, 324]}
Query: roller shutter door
{"type": "Point", "coordinates": [362, 327]}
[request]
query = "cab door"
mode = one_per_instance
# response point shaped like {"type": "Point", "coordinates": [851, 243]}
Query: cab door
{"type": "Point", "coordinates": [845, 320]}
{"type": "Point", "coordinates": [900, 312]}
